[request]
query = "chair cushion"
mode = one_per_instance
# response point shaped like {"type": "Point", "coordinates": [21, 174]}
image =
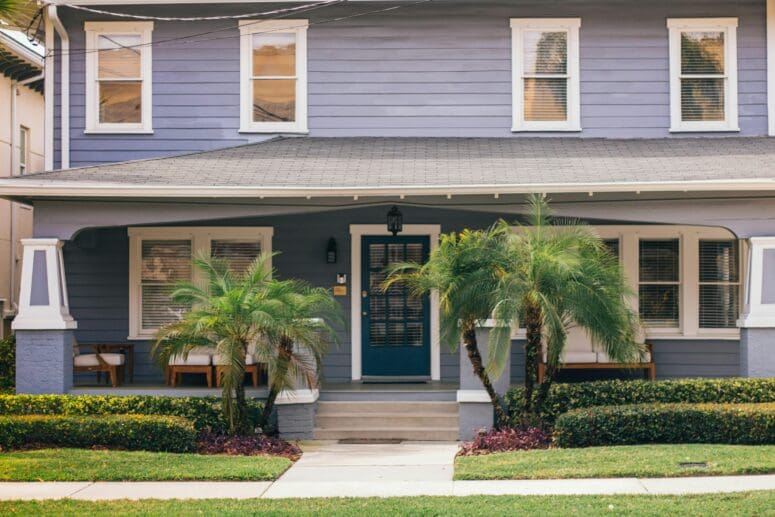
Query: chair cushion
{"type": "Point", "coordinates": [219, 361]}
{"type": "Point", "coordinates": [579, 357]}
{"type": "Point", "coordinates": [194, 358]}
{"type": "Point", "coordinates": [602, 357]}
{"type": "Point", "coordinates": [91, 359]}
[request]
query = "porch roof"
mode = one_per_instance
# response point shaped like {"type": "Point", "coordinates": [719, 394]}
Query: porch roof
{"type": "Point", "coordinates": [313, 166]}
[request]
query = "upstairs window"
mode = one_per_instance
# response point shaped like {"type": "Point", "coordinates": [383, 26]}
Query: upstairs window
{"type": "Point", "coordinates": [703, 74]}
{"type": "Point", "coordinates": [118, 77]}
{"type": "Point", "coordinates": [274, 76]}
{"type": "Point", "coordinates": [545, 68]}
{"type": "Point", "coordinates": [24, 149]}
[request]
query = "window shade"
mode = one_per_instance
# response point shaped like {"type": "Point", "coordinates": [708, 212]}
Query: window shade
{"type": "Point", "coordinates": [659, 292]}
{"type": "Point", "coordinates": [703, 82]}
{"type": "Point", "coordinates": [274, 77]}
{"type": "Point", "coordinates": [164, 263]}
{"type": "Point", "coordinates": [239, 255]}
{"type": "Point", "coordinates": [545, 70]}
{"type": "Point", "coordinates": [719, 271]}
{"type": "Point", "coordinates": [658, 260]}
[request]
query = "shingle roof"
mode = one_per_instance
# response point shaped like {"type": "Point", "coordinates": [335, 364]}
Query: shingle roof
{"type": "Point", "coordinates": [371, 164]}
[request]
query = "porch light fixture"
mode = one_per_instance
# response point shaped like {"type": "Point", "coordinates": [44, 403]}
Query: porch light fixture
{"type": "Point", "coordinates": [331, 251]}
{"type": "Point", "coordinates": [395, 221]}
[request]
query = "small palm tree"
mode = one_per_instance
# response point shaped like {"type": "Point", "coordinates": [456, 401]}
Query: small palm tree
{"type": "Point", "coordinates": [465, 271]}
{"type": "Point", "coordinates": [7, 7]}
{"type": "Point", "coordinates": [559, 276]}
{"type": "Point", "coordinates": [233, 313]}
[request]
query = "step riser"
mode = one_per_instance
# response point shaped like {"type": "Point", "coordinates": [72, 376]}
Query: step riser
{"type": "Point", "coordinates": [372, 421]}
{"type": "Point", "coordinates": [405, 408]}
{"type": "Point", "coordinates": [387, 434]}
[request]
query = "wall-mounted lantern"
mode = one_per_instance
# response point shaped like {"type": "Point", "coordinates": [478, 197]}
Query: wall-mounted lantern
{"type": "Point", "coordinates": [395, 221]}
{"type": "Point", "coordinates": [331, 251]}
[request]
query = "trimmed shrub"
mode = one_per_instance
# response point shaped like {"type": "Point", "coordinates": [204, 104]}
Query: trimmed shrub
{"type": "Point", "coordinates": [131, 432]}
{"type": "Point", "coordinates": [7, 363]}
{"type": "Point", "coordinates": [204, 412]}
{"type": "Point", "coordinates": [510, 439]}
{"type": "Point", "coordinates": [568, 396]}
{"type": "Point", "coordinates": [751, 424]}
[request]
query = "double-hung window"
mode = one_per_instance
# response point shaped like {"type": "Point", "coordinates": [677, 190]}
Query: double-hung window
{"type": "Point", "coordinates": [159, 258]}
{"type": "Point", "coordinates": [24, 149]}
{"type": "Point", "coordinates": [273, 70]}
{"type": "Point", "coordinates": [659, 289]}
{"type": "Point", "coordinates": [719, 284]}
{"type": "Point", "coordinates": [703, 74]}
{"type": "Point", "coordinates": [118, 77]}
{"type": "Point", "coordinates": [545, 74]}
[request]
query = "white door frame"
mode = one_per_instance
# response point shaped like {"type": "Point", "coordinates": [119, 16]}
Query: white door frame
{"type": "Point", "coordinates": [356, 232]}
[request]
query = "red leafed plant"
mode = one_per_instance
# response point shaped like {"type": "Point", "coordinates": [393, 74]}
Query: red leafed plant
{"type": "Point", "coordinates": [250, 445]}
{"type": "Point", "coordinates": [507, 439]}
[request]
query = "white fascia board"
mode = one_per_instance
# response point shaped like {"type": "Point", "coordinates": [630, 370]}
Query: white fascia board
{"type": "Point", "coordinates": [165, 2]}
{"type": "Point", "coordinates": [13, 189]}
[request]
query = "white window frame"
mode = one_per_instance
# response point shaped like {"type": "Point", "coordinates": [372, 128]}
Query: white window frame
{"type": "Point", "coordinates": [93, 31]}
{"type": "Point", "coordinates": [518, 28]}
{"type": "Point", "coordinates": [728, 26]}
{"type": "Point", "coordinates": [247, 29]}
{"type": "Point", "coordinates": [689, 291]}
{"type": "Point", "coordinates": [200, 237]}
{"type": "Point", "coordinates": [24, 151]}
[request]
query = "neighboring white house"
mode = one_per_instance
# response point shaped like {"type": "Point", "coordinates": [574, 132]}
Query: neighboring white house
{"type": "Point", "coordinates": [21, 152]}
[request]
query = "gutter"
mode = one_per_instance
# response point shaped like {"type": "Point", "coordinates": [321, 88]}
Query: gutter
{"type": "Point", "coordinates": [30, 189]}
{"type": "Point", "coordinates": [11, 309]}
{"type": "Point", "coordinates": [64, 94]}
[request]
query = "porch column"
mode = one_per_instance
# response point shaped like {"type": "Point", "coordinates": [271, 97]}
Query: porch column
{"type": "Point", "coordinates": [296, 411]}
{"type": "Point", "coordinates": [475, 408]}
{"type": "Point", "coordinates": [43, 326]}
{"type": "Point", "coordinates": [757, 326]}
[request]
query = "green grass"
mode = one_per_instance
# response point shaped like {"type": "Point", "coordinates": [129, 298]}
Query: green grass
{"type": "Point", "coordinates": [92, 465]}
{"type": "Point", "coordinates": [622, 461]}
{"type": "Point", "coordinates": [749, 503]}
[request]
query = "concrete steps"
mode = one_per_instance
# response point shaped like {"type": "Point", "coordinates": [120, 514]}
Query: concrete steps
{"type": "Point", "coordinates": [382, 420]}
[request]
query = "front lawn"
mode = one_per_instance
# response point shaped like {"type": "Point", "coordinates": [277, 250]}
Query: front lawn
{"type": "Point", "coordinates": [620, 461]}
{"type": "Point", "coordinates": [105, 465]}
{"type": "Point", "coordinates": [750, 503]}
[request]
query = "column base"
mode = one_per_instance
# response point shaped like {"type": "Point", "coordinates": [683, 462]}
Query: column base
{"type": "Point", "coordinates": [296, 414]}
{"type": "Point", "coordinates": [44, 361]}
{"type": "Point", "coordinates": [475, 413]}
{"type": "Point", "coordinates": [756, 352]}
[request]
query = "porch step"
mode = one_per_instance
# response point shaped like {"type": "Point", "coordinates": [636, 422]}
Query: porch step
{"type": "Point", "coordinates": [383, 420]}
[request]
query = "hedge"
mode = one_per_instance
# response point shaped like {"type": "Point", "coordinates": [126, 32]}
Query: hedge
{"type": "Point", "coordinates": [7, 363]}
{"type": "Point", "coordinates": [751, 424]}
{"type": "Point", "coordinates": [565, 397]}
{"type": "Point", "coordinates": [131, 432]}
{"type": "Point", "coordinates": [205, 412]}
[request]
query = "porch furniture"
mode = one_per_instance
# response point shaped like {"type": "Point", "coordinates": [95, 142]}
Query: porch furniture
{"type": "Point", "coordinates": [251, 367]}
{"type": "Point", "coordinates": [127, 349]}
{"type": "Point", "coordinates": [109, 363]}
{"type": "Point", "coordinates": [600, 361]}
{"type": "Point", "coordinates": [198, 361]}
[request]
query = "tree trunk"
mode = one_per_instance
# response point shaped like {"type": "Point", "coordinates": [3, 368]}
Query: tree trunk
{"type": "Point", "coordinates": [241, 409]}
{"type": "Point", "coordinates": [532, 355]}
{"type": "Point", "coordinates": [284, 355]}
{"type": "Point", "coordinates": [472, 348]}
{"type": "Point", "coordinates": [543, 389]}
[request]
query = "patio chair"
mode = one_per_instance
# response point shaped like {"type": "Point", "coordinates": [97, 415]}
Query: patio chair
{"type": "Point", "coordinates": [199, 360]}
{"type": "Point", "coordinates": [251, 367]}
{"type": "Point", "coordinates": [99, 363]}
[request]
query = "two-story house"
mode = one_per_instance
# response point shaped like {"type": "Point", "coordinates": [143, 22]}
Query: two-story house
{"type": "Point", "coordinates": [181, 127]}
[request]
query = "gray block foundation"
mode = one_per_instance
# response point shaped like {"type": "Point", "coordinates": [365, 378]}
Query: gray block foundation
{"type": "Point", "coordinates": [474, 417]}
{"type": "Point", "coordinates": [44, 361]}
{"type": "Point", "coordinates": [296, 421]}
{"type": "Point", "coordinates": [757, 352]}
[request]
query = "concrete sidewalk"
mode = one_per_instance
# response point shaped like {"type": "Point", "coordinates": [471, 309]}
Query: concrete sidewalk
{"type": "Point", "coordinates": [405, 469]}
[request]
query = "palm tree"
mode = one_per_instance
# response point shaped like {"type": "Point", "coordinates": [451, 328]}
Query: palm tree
{"type": "Point", "coordinates": [7, 7]}
{"type": "Point", "coordinates": [559, 276]}
{"type": "Point", "coordinates": [231, 313]}
{"type": "Point", "coordinates": [464, 270]}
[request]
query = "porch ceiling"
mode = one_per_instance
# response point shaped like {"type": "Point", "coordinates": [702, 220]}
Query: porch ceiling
{"type": "Point", "coordinates": [325, 167]}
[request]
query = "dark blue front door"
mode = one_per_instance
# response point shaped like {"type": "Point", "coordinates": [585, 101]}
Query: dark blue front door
{"type": "Point", "coordinates": [395, 325]}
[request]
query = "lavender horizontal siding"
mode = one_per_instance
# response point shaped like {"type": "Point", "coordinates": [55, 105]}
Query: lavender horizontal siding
{"type": "Point", "coordinates": [441, 69]}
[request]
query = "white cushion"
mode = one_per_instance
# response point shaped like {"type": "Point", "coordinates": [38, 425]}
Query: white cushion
{"type": "Point", "coordinates": [196, 357]}
{"type": "Point", "coordinates": [579, 357]}
{"type": "Point", "coordinates": [602, 357]}
{"type": "Point", "coordinates": [91, 359]}
{"type": "Point", "coordinates": [219, 361]}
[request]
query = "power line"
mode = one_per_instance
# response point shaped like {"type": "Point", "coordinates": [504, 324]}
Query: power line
{"type": "Point", "coordinates": [191, 37]}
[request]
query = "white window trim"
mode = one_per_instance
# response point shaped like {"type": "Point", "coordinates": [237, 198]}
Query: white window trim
{"type": "Point", "coordinates": [201, 237]}
{"type": "Point", "coordinates": [689, 237]}
{"type": "Point", "coordinates": [729, 27]}
{"type": "Point", "coordinates": [518, 27]}
{"type": "Point", "coordinates": [93, 31]}
{"type": "Point", "coordinates": [247, 29]}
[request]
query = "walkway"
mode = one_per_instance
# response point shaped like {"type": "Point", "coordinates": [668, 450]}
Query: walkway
{"type": "Point", "coordinates": [406, 469]}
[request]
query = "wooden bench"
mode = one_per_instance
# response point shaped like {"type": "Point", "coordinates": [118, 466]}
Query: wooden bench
{"type": "Point", "coordinates": [649, 368]}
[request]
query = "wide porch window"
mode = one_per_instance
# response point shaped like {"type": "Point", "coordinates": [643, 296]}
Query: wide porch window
{"type": "Point", "coordinates": [273, 69]}
{"type": "Point", "coordinates": [703, 74]}
{"type": "Point", "coordinates": [161, 257]}
{"type": "Point", "coordinates": [545, 68]}
{"type": "Point", "coordinates": [118, 77]}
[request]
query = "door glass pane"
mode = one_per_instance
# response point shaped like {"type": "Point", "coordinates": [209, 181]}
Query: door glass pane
{"type": "Point", "coordinates": [377, 256]}
{"type": "Point", "coordinates": [274, 54]}
{"type": "Point", "coordinates": [702, 52]}
{"type": "Point", "coordinates": [120, 102]}
{"type": "Point", "coordinates": [414, 334]}
{"type": "Point", "coordinates": [545, 52]}
{"type": "Point", "coordinates": [377, 333]}
{"type": "Point", "coordinates": [117, 58]}
{"type": "Point", "coordinates": [546, 99]}
{"type": "Point", "coordinates": [274, 100]}
{"type": "Point", "coordinates": [396, 308]}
